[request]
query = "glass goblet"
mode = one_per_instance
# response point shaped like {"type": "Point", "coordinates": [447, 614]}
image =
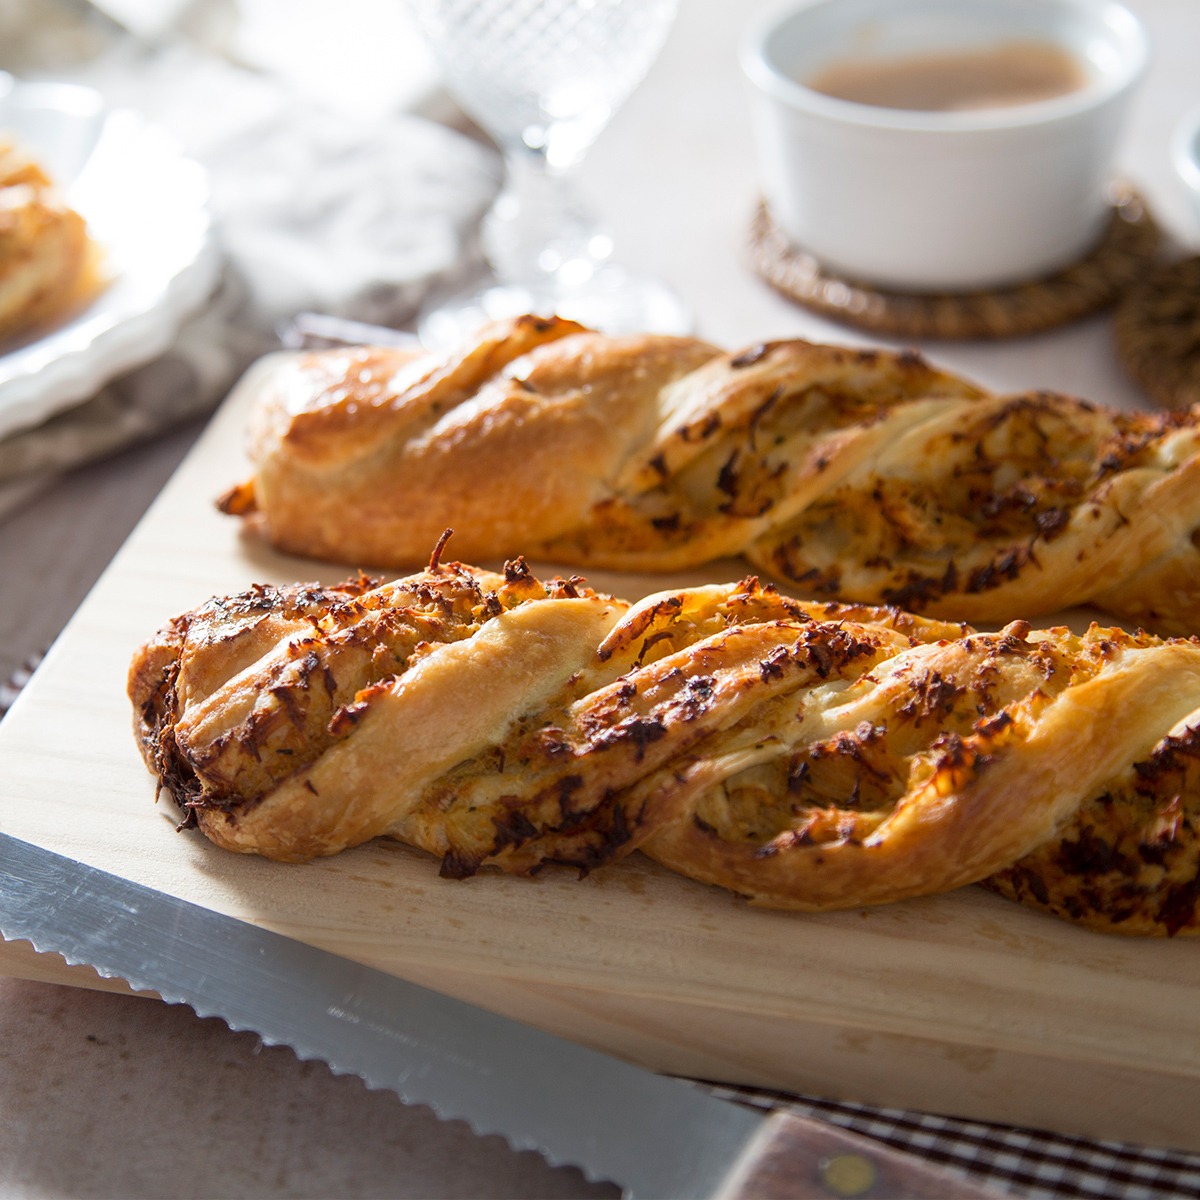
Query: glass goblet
{"type": "Point", "coordinates": [543, 78]}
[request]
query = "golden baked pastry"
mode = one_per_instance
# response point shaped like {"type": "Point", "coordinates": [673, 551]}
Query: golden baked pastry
{"type": "Point", "coordinates": [1128, 860]}
{"type": "Point", "coordinates": [851, 474]}
{"type": "Point", "coordinates": [47, 261]}
{"type": "Point", "coordinates": [807, 755]}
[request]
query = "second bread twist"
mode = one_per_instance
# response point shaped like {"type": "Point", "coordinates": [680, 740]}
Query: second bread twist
{"type": "Point", "coordinates": [858, 475]}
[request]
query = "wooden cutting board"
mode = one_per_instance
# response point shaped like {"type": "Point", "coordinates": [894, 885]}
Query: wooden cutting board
{"type": "Point", "coordinates": [961, 1004]}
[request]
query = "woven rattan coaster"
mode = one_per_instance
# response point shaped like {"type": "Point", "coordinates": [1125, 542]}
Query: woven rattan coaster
{"type": "Point", "coordinates": [1156, 330]}
{"type": "Point", "coordinates": [1123, 254]}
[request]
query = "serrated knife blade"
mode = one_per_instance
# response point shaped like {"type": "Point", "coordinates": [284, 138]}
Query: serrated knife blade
{"type": "Point", "coordinates": [654, 1136]}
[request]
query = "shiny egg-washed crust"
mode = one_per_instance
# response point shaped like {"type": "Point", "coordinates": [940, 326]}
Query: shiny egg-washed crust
{"type": "Point", "coordinates": [855, 475]}
{"type": "Point", "coordinates": [46, 256]}
{"type": "Point", "coordinates": [807, 755]}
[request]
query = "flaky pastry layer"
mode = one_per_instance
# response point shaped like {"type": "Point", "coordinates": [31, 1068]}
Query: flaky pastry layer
{"type": "Point", "coordinates": [851, 474]}
{"type": "Point", "coordinates": [807, 755]}
{"type": "Point", "coordinates": [48, 263]}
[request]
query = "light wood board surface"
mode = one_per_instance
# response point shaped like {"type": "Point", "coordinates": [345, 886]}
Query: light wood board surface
{"type": "Point", "coordinates": [962, 1004]}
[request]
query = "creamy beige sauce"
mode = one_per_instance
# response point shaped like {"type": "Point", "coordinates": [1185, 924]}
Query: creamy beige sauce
{"type": "Point", "coordinates": [997, 76]}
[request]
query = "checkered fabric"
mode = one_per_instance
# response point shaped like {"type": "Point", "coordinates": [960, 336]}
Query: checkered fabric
{"type": "Point", "coordinates": [1017, 1162]}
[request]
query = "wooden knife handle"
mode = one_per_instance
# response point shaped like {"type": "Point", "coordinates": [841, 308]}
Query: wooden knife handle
{"type": "Point", "coordinates": [798, 1158]}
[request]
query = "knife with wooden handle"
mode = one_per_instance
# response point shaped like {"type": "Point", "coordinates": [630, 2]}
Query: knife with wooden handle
{"type": "Point", "coordinates": [656, 1137]}
{"type": "Point", "coordinates": [801, 1158]}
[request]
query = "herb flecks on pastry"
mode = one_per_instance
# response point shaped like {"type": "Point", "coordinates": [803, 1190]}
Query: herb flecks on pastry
{"type": "Point", "coordinates": [807, 755]}
{"type": "Point", "coordinates": [857, 475]}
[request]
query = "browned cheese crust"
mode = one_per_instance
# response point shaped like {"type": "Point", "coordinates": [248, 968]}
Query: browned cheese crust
{"type": "Point", "coordinates": [856, 475]}
{"type": "Point", "coordinates": [1128, 861]}
{"type": "Point", "coordinates": [47, 260]}
{"type": "Point", "coordinates": [807, 755]}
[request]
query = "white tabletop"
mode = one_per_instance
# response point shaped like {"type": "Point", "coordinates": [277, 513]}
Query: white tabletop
{"type": "Point", "coordinates": [106, 1095]}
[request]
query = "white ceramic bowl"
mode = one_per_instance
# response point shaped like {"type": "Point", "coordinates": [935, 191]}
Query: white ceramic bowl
{"type": "Point", "coordinates": [940, 201]}
{"type": "Point", "coordinates": [1185, 155]}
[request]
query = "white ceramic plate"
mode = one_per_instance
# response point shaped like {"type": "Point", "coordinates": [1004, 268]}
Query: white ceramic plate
{"type": "Point", "coordinates": [147, 206]}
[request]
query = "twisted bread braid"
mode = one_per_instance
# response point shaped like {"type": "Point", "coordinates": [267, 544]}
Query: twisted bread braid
{"type": "Point", "coordinates": [858, 475]}
{"type": "Point", "coordinates": [807, 755]}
